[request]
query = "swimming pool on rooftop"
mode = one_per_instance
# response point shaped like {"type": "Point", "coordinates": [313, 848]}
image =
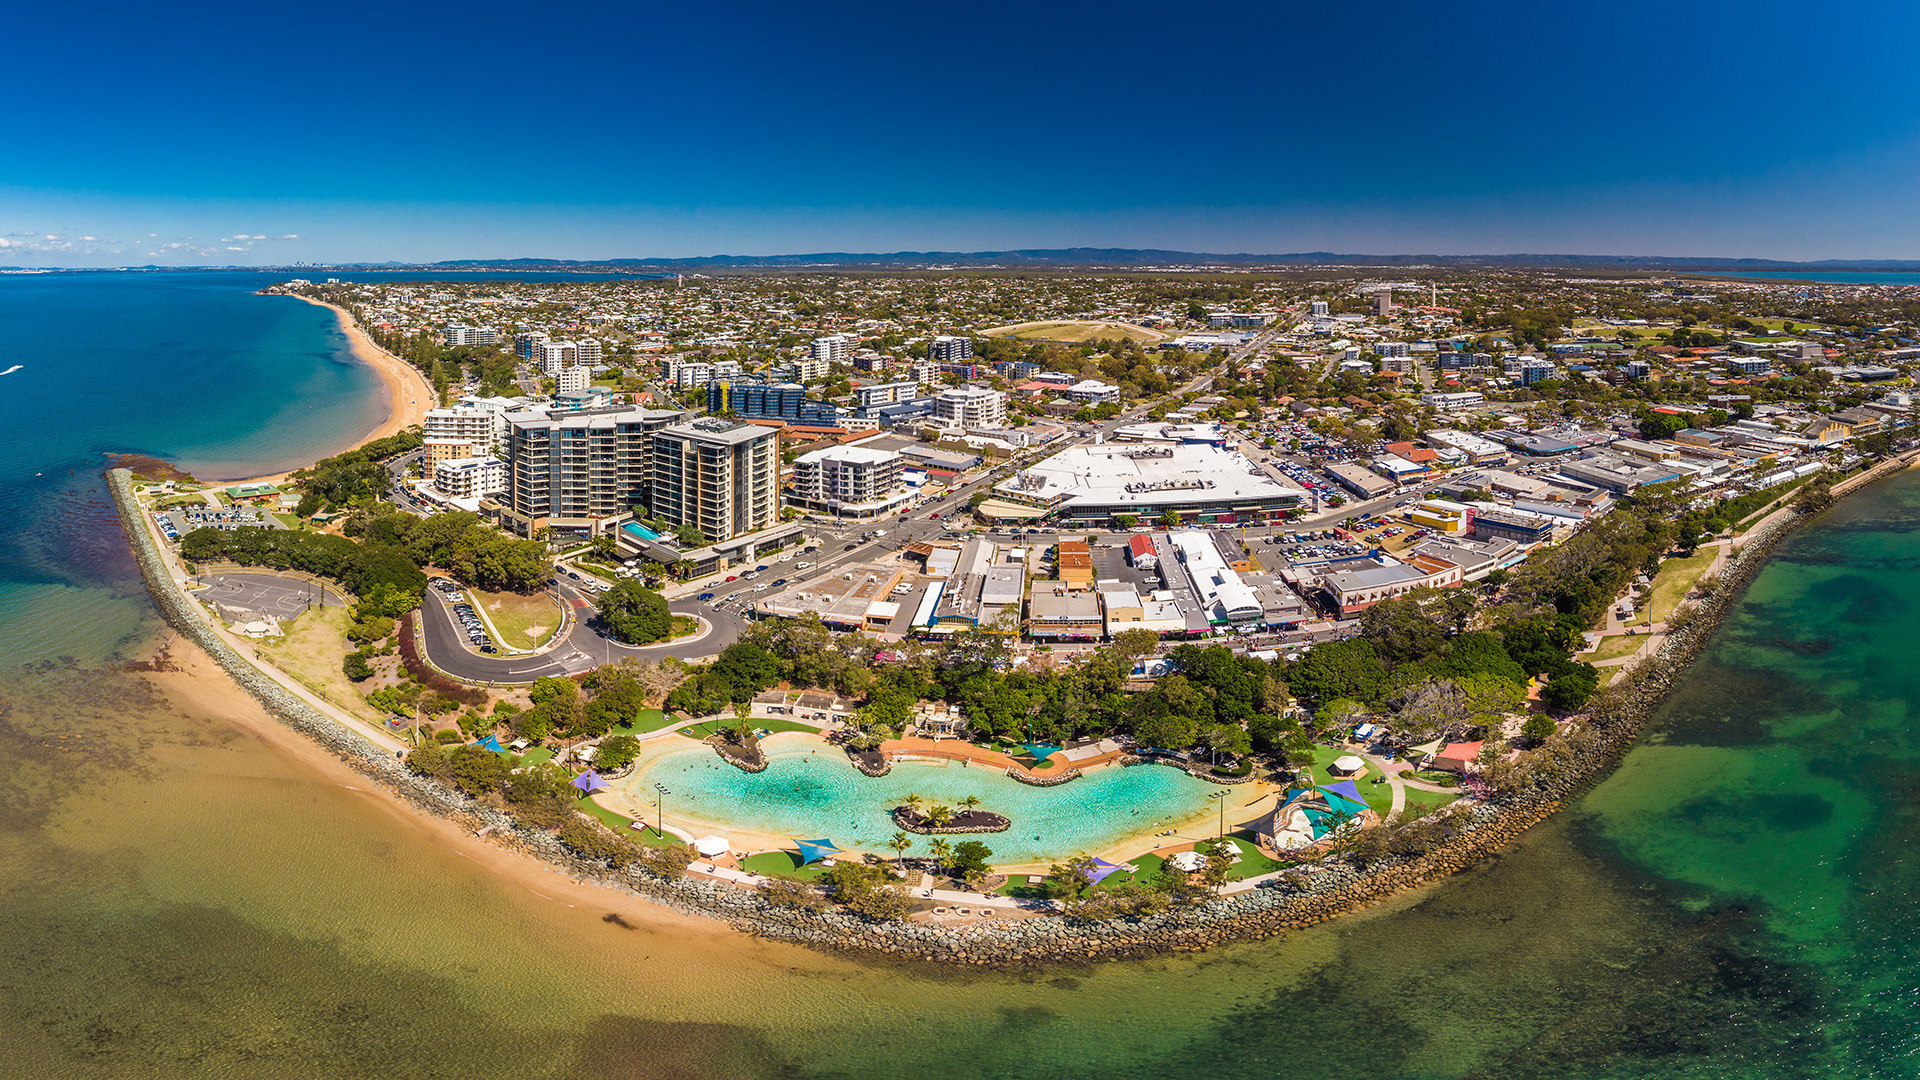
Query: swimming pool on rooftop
{"type": "Point", "coordinates": [811, 792]}
{"type": "Point", "coordinates": [640, 531]}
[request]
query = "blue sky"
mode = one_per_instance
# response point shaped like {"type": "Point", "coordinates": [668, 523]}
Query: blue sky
{"type": "Point", "coordinates": [256, 133]}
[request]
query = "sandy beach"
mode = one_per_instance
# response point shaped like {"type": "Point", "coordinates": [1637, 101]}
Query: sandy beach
{"type": "Point", "coordinates": [409, 395]}
{"type": "Point", "coordinates": [196, 685]}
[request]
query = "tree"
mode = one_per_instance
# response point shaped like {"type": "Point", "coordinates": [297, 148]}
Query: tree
{"type": "Point", "coordinates": [1538, 728]}
{"type": "Point", "coordinates": [690, 535]}
{"type": "Point", "coordinates": [900, 843]}
{"type": "Point", "coordinates": [356, 666]}
{"type": "Point", "coordinates": [636, 614]}
{"type": "Point", "coordinates": [1071, 878]}
{"type": "Point", "coordinates": [1338, 669]}
{"type": "Point", "coordinates": [969, 860]}
{"type": "Point", "coordinates": [1170, 518]}
{"type": "Point", "coordinates": [617, 752]}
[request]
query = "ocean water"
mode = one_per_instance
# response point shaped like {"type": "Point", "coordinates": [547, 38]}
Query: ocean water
{"type": "Point", "coordinates": [184, 899]}
{"type": "Point", "coordinates": [807, 794]}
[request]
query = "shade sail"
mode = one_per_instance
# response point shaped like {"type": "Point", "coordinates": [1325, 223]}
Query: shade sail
{"type": "Point", "coordinates": [815, 850]}
{"type": "Point", "coordinates": [1102, 869]}
{"type": "Point", "coordinates": [1346, 787]}
{"type": "Point", "coordinates": [491, 743]}
{"type": "Point", "coordinates": [590, 782]}
{"type": "Point", "coordinates": [1040, 750]}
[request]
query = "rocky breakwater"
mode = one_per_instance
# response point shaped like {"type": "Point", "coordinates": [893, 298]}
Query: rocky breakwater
{"type": "Point", "coordinates": [965, 821]}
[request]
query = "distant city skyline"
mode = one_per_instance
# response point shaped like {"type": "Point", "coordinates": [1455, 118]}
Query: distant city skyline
{"type": "Point", "coordinates": [481, 131]}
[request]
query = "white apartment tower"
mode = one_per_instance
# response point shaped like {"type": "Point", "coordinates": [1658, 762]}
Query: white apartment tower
{"type": "Point", "coordinates": [971, 407]}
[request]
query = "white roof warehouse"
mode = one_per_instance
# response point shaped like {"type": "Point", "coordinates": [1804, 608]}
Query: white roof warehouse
{"type": "Point", "coordinates": [1090, 485]}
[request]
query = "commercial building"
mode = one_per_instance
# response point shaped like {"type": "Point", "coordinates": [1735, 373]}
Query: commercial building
{"type": "Point", "coordinates": [1088, 485]}
{"type": "Point", "coordinates": [578, 471]}
{"type": "Point", "coordinates": [970, 407]}
{"type": "Point", "coordinates": [1516, 525]}
{"type": "Point", "coordinates": [849, 481]}
{"type": "Point", "coordinates": [1362, 482]}
{"type": "Point", "coordinates": [1356, 590]}
{"type": "Point", "coordinates": [1478, 450]}
{"type": "Point", "coordinates": [947, 349]}
{"type": "Point", "coordinates": [470, 478]}
{"type": "Point", "coordinates": [719, 475]}
{"type": "Point", "coordinates": [1222, 595]}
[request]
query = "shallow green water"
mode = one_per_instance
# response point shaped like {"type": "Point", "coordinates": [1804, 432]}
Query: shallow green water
{"type": "Point", "coordinates": [804, 793]}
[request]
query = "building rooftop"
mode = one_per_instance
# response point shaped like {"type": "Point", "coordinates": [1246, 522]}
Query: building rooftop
{"type": "Point", "coordinates": [1144, 475]}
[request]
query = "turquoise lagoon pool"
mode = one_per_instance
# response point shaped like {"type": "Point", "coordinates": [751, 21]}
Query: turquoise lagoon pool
{"type": "Point", "coordinates": [815, 792]}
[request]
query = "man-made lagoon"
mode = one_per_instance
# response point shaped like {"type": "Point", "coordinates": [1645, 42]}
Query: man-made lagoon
{"type": "Point", "coordinates": [814, 792]}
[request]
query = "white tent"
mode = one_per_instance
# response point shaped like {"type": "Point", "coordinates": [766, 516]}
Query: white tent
{"type": "Point", "coordinates": [712, 847]}
{"type": "Point", "coordinates": [1188, 861]}
{"type": "Point", "coordinates": [1347, 763]}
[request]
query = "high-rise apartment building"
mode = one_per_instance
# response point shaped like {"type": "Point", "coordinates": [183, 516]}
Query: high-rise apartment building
{"type": "Point", "coordinates": [457, 335]}
{"type": "Point", "coordinates": [721, 476]}
{"type": "Point", "coordinates": [848, 479]}
{"type": "Point", "coordinates": [470, 478]}
{"type": "Point", "coordinates": [971, 407]}
{"type": "Point", "coordinates": [1318, 307]}
{"type": "Point", "coordinates": [762, 400]}
{"type": "Point", "coordinates": [555, 355]}
{"type": "Point", "coordinates": [947, 349]}
{"type": "Point", "coordinates": [573, 380]}
{"type": "Point", "coordinates": [473, 426]}
{"type": "Point", "coordinates": [526, 345]}
{"type": "Point", "coordinates": [832, 349]}
{"type": "Point", "coordinates": [575, 470]}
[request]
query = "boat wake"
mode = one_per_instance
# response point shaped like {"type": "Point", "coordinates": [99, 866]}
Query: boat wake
{"type": "Point", "coordinates": [12, 369]}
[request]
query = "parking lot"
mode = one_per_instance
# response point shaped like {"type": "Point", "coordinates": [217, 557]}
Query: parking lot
{"type": "Point", "coordinates": [265, 594]}
{"type": "Point", "coordinates": [179, 522]}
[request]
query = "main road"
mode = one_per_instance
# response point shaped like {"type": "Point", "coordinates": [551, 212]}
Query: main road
{"type": "Point", "coordinates": [585, 645]}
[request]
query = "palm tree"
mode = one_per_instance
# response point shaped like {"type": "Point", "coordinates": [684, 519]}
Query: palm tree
{"type": "Point", "coordinates": [970, 802]}
{"type": "Point", "coordinates": [900, 843]}
{"type": "Point", "coordinates": [939, 850]}
{"type": "Point", "coordinates": [912, 803]}
{"type": "Point", "coordinates": [938, 815]}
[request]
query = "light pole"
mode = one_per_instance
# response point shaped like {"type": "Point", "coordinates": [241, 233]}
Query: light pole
{"type": "Point", "coordinates": [1221, 798]}
{"type": "Point", "coordinates": [660, 809]}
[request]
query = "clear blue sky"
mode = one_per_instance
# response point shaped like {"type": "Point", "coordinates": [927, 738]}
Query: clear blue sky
{"type": "Point", "coordinates": [261, 132]}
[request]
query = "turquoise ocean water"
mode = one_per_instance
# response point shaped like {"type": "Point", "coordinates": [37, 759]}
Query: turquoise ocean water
{"type": "Point", "coordinates": [182, 900]}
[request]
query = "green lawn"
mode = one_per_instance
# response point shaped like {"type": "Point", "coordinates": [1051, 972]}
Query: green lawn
{"type": "Point", "coordinates": [1613, 647]}
{"type": "Point", "coordinates": [1417, 798]}
{"type": "Point", "coordinates": [539, 755]}
{"type": "Point", "coordinates": [525, 621]}
{"type": "Point", "coordinates": [1675, 578]}
{"type": "Point", "coordinates": [781, 864]}
{"type": "Point", "coordinates": [622, 824]}
{"type": "Point", "coordinates": [1378, 796]}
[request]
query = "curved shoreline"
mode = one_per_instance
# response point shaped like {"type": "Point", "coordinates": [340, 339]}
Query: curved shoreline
{"type": "Point", "coordinates": [1287, 903]}
{"type": "Point", "coordinates": [407, 391]}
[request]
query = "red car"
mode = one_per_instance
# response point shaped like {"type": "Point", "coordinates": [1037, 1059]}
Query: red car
{"type": "Point", "coordinates": [933, 517]}
{"type": "Point", "coordinates": [735, 577]}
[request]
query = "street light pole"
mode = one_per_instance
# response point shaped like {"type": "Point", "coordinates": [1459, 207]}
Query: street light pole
{"type": "Point", "coordinates": [660, 809]}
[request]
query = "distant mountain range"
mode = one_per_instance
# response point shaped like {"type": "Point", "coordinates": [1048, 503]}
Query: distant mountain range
{"type": "Point", "coordinates": [1153, 257]}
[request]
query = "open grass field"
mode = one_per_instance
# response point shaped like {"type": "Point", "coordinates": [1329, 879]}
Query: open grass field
{"type": "Point", "coordinates": [1613, 647]}
{"type": "Point", "coordinates": [312, 651]}
{"type": "Point", "coordinates": [781, 864]}
{"type": "Point", "coordinates": [1073, 331]}
{"type": "Point", "coordinates": [524, 621]}
{"type": "Point", "coordinates": [1675, 580]}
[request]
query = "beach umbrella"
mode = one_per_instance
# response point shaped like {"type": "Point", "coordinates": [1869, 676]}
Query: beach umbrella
{"type": "Point", "coordinates": [814, 850]}
{"type": "Point", "coordinates": [590, 782]}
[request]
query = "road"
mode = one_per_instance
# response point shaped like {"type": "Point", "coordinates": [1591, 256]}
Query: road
{"type": "Point", "coordinates": [584, 646]}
